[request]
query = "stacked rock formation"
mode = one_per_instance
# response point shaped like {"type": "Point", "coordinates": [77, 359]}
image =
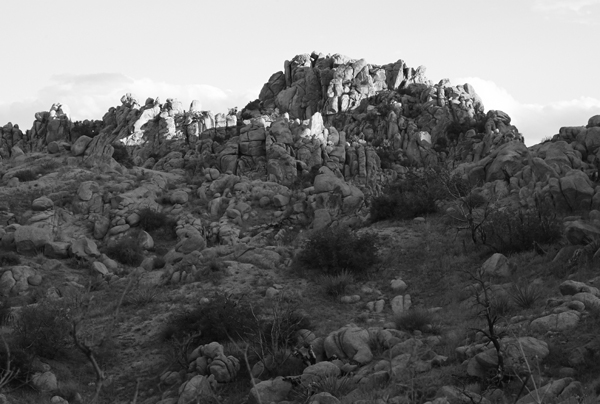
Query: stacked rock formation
{"type": "Point", "coordinates": [327, 115]}
{"type": "Point", "coordinates": [11, 137]}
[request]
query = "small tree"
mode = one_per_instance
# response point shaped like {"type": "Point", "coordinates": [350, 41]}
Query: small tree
{"type": "Point", "coordinates": [88, 343]}
{"type": "Point", "coordinates": [481, 293]}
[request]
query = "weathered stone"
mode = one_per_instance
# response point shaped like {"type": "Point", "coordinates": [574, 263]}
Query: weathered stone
{"type": "Point", "coordinates": [320, 370]}
{"type": "Point", "coordinates": [190, 240]}
{"type": "Point", "coordinates": [42, 203]}
{"type": "Point", "coordinates": [224, 368]}
{"type": "Point", "coordinates": [100, 268]}
{"type": "Point", "coordinates": [84, 248]}
{"type": "Point", "coordinates": [398, 285]}
{"type": "Point", "coordinates": [44, 381]}
{"type": "Point", "coordinates": [30, 240]}
{"type": "Point", "coordinates": [7, 281]}
{"type": "Point", "coordinates": [274, 390]}
{"type": "Point", "coordinates": [57, 249]}
{"type": "Point", "coordinates": [82, 142]}
{"type": "Point", "coordinates": [401, 304]}
{"type": "Point", "coordinates": [496, 265]}
{"type": "Point", "coordinates": [87, 189]}
{"type": "Point", "coordinates": [591, 301]}
{"type": "Point", "coordinates": [570, 287]}
{"type": "Point", "coordinates": [180, 197]}
{"type": "Point", "coordinates": [196, 389]}
{"type": "Point", "coordinates": [556, 322]}
{"type": "Point", "coordinates": [349, 342]}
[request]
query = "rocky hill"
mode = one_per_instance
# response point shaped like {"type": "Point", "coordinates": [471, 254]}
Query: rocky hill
{"type": "Point", "coordinates": [120, 229]}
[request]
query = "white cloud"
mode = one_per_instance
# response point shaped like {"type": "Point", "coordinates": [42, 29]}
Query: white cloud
{"type": "Point", "coordinates": [578, 11]}
{"type": "Point", "coordinates": [534, 121]}
{"type": "Point", "coordinates": [89, 96]}
{"type": "Point", "coordinates": [577, 6]}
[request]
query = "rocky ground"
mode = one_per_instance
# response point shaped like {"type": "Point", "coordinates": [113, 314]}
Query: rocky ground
{"type": "Point", "coordinates": [111, 229]}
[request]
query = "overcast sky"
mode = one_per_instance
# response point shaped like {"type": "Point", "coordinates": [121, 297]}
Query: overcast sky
{"type": "Point", "coordinates": [537, 60]}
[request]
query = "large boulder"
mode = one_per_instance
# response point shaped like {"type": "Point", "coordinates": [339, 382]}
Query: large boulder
{"type": "Point", "coordinates": [42, 203]}
{"type": "Point", "coordinates": [78, 148]}
{"type": "Point", "coordinates": [84, 248]}
{"type": "Point", "coordinates": [197, 389]}
{"type": "Point", "coordinates": [190, 239]}
{"type": "Point", "coordinates": [349, 342]}
{"type": "Point", "coordinates": [594, 121]}
{"type": "Point", "coordinates": [556, 322]}
{"type": "Point", "coordinates": [508, 159]}
{"type": "Point", "coordinates": [268, 391]}
{"type": "Point", "coordinates": [572, 192]}
{"type": "Point", "coordinates": [30, 240]}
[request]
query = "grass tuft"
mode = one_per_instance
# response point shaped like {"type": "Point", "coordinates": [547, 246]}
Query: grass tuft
{"type": "Point", "coordinates": [336, 285]}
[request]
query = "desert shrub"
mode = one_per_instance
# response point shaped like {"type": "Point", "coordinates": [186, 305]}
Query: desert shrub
{"type": "Point", "coordinates": [151, 220]}
{"type": "Point", "coordinates": [413, 320]}
{"type": "Point", "coordinates": [273, 336]}
{"type": "Point", "coordinates": [280, 330]}
{"type": "Point", "coordinates": [334, 250]}
{"type": "Point", "coordinates": [525, 295]}
{"type": "Point", "coordinates": [406, 199]}
{"type": "Point", "coordinates": [222, 318]}
{"type": "Point", "coordinates": [121, 155]}
{"type": "Point", "coordinates": [43, 329]}
{"type": "Point", "coordinates": [26, 175]}
{"type": "Point", "coordinates": [127, 252]}
{"type": "Point", "coordinates": [417, 194]}
{"type": "Point", "coordinates": [508, 230]}
{"type": "Point", "coordinates": [9, 259]}
{"type": "Point", "coordinates": [336, 285]}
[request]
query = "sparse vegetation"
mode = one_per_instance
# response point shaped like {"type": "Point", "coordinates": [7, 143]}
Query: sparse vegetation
{"type": "Point", "coordinates": [255, 293]}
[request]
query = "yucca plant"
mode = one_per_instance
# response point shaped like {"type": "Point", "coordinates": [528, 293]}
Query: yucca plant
{"type": "Point", "coordinates": [525, 295]}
